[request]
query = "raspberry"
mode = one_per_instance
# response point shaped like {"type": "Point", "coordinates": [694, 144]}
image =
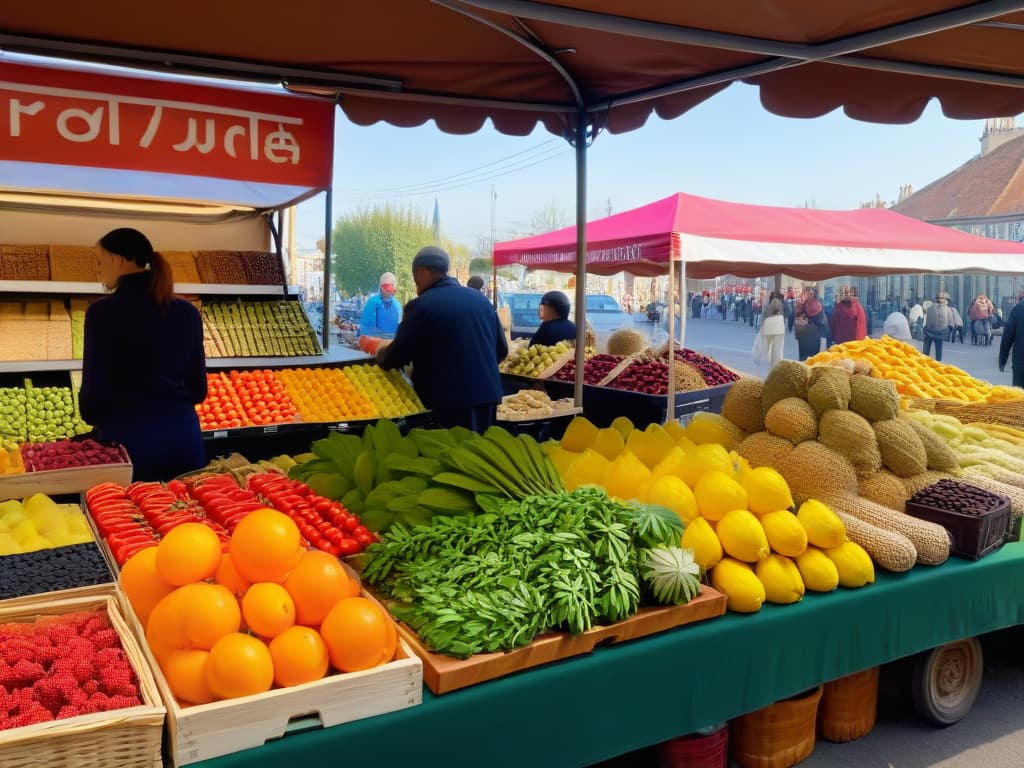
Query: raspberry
{"type": "Point", "coordinates": [77, 647]}
{"type": "Point", "coordinates": [17, 649]}
{"type": "Point", "coordinates": [27, 672]}
{"type": "Point", "coordinates": [108, 656]}
{"type": "Point", "coordinates": [79, 668]}
{"type": "Point", "coordinates": [106, 638]}
{"type": "Point", "coordinates": [90, 687]}
{"type": "Point", "coordinates": [54, 692]}
{"type": "Point", "coordinates": [7, 679]}
{"type": "Point", "coordinates": [68, 710]}
{"type": "Point", "coordinates": [117, 680]}
{"type": "Point", "coordinates": [60, 634]}
{"type": "Point", "coordinates": [92, 625]}
{"type": "Point", "coordinates": [122, 702]}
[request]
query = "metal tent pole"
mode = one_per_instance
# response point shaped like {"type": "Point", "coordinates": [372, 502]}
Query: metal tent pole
{"type": "Point", "coordinates": [580, 139]}
{"type": "Point", "coordinates": [328, 204]}
{"type": "Point", "coordinates": [670, 409]}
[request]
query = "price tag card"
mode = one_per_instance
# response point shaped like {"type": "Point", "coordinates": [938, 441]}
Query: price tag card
{"type": "Point", "coordinates": [219, 433]}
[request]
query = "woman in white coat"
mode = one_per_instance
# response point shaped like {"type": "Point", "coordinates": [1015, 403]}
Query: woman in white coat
{"type": "Point", "coordinates": [773, 327]}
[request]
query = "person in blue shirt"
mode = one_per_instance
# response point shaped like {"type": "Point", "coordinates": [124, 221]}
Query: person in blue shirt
{"type": "Point", "coordinates": [555, 325]}
{"type": "Point", "coordinates": [143, 370]}
{"type": "Point", "coordinates": [382, 312]}
{"type": "Point", "coordinates": [452, 337]}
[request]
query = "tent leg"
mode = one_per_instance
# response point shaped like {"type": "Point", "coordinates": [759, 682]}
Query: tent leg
{"type": "Point", "coordinates": [670, 406]}
{"type": "Point", "coordinates": [328, 204]}
{"type": "Point", "coordinates": [580, 139]}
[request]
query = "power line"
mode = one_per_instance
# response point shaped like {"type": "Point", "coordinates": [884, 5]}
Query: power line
{"type": "Point", "coordinates": [482, 177]}
{"type": "Point", "coordinates": [455, 176]}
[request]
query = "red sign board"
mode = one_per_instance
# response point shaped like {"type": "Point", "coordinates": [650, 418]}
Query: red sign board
{"type": "Point", "coordinates": [71, 117]}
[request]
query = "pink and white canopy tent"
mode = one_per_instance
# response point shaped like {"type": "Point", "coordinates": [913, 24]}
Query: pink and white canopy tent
{"type": "Point", "coordinates": [715, 237]}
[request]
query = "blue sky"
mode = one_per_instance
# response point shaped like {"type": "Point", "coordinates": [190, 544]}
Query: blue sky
{"type": "Point", "coordinates": [728, 148]}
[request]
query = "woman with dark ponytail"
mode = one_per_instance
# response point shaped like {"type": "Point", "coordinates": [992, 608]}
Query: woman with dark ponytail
{"type": "Point", "coordinates": [144, 369]}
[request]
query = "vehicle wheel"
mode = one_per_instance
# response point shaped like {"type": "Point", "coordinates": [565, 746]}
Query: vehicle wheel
{"type": "Point", "coordinates": [946, 681]}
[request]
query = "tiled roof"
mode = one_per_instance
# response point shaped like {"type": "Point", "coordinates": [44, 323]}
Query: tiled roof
{"type": "Point", "coordinates": [989, 185]}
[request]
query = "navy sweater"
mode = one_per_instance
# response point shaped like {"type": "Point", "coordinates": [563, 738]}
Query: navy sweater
{"type": "Point", "coordinates": [553, 331]}
{"type": "Point", "coordinates": [452, 337]}
{"type": "Point", "coordinates": [143, 370]}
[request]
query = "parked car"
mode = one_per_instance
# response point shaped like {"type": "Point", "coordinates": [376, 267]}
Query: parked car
{"type": "Point", "coordinates": [603, 314]}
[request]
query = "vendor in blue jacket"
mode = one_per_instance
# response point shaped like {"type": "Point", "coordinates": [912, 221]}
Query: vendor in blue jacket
{"type": "Point", "coordinates": [382, 312]}
{"type": "Point", "coordinates": [452, 337]}
{"type": "Point", "coordinates": [555, 325]}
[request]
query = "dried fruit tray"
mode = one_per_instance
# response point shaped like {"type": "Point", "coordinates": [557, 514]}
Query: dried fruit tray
{"type": "Point", "coordinates": [978, 521]}
{"type": "Point", "coordinates": [205, 731]}
{"type": "Point", "coordinates": [127, 738]}
{"type": "Point", "coordinates": [443, 674]}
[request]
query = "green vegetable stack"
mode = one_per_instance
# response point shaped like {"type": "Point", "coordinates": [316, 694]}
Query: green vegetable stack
{"type": "Point", "coordinates": [493, 581]}
{"type": "Point", "coordinates": [384, 477]}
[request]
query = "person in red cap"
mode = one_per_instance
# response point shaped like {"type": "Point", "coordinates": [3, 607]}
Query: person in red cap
{"type": "Point", "coordinates": [382, 312]}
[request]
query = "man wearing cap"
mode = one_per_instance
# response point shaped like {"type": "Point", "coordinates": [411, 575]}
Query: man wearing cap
{"type": "Point", "coordinates": [555, 325]}
{"type": "Point", "coordinates": [452, 337]}
{"type": "Point", "coordinates": [382, 312]}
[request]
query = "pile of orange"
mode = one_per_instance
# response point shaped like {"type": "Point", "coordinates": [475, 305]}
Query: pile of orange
{"type": "Point", "coordinates": [266, 612]}
{"type": "Point", "coordinates": [326, 394]}
{"type": "Point", "coordinates": [263, 397]}
{"type": "Point", "coordinates": [916, 374]}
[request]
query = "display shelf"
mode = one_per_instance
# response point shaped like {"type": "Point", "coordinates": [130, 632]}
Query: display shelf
{"type": "Point", "coordinates": [228, 289]}
{"type": "Point", "coordinates": [302, 361]}
{"type": "Point", "coordinates": [50, 286]}
{"type": "Point", "coordinates": [299, 427]}
{"type": "Point", "coordinates": [194, 289]}
{"type": "Point", "coordinates": [31, 366]}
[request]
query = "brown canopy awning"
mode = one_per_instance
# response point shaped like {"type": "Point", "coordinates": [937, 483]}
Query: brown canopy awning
{"type": "Point", "coordinates": [518, 63]}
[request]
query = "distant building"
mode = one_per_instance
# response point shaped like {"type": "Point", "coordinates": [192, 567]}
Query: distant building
{"type": "Point", "coordinates": [309, 274]}
{"type": "Point", "coordinates": [984, 196]}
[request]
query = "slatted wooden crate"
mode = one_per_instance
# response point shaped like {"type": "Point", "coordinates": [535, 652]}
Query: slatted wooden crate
{"type": "Point", "coordinates": [220, 267]}
{"type": "Point", "coordinates": [183, 266]}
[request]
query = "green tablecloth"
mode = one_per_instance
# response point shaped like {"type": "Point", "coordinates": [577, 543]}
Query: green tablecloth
{"type": "Point", "coordinates": [623, 697]}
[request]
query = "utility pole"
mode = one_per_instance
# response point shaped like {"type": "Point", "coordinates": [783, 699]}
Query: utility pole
{"type": "Point", "coordinates": [494, 265]}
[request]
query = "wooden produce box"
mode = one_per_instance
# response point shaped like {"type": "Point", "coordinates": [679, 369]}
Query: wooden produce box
{"type": "Point", "coordinates": [205, 731]}
{"type": "Point", "coordinates": [443, 674]}
{"type": "Point", "coordinates": [54, 482]}
{"type": "Point", "coordinates": [126, 738]}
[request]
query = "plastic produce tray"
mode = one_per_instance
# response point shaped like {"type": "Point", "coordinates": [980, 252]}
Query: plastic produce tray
{"type": "Point", "coordinates": [977, 520]}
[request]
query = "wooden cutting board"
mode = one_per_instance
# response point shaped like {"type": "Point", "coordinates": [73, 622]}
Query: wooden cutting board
{"type": "Point", "coordinates": [443, 674]}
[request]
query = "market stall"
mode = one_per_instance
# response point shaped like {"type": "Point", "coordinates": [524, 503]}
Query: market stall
{"type": "Point", "coordinates": [572, 713]}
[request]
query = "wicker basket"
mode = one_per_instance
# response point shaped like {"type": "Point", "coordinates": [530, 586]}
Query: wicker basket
{"type": "Point", "coordinates": [848, 706]}
{"type": "Point", "coordinates": [127, 738]}
{"type": "Point", "coordinates": [778, 736]}
{"type": "Point", "coordinates": [24, 262]}
{"type": "Point", "coordinates": [73, 263]}
{"type": "Point", "coordinates": [1008, 412]}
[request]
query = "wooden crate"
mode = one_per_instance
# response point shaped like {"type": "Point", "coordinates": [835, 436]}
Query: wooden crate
{"type": "Point", "coordinates": [127, 738]}
{"type": "Point", "coordinates": [204, 731]}
{"type": "Point", "coordinates": [443, 674]}
{"type": "Point", "coordinates": [54, 482]}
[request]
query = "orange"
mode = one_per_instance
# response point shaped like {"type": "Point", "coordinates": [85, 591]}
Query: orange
{"type": "Point", "coordinates": [265, 546]}
{"type": "Point", "coordinates": [227, 575]}
{"type": "Point", "coordinates": [186, 675]}
{"type": "Point", "coordinates": [188, 553]}
{"type": "Point", "coordinates": [358, 634]}
{"type": "Point", "coordinates": [316, 583]}
{"type": "Point", "coordinates": [239, 665]}
{"type": "Point", "coordinates": [210, 612]}
{"type": "Point", "coordinates": [165, 629]}
{"type": "Point", "coordinates": [268, 609]}
{"type": "Point", "coordinates": [299, 655]}
{"type": "Point", "coordinates": [141, 583]}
